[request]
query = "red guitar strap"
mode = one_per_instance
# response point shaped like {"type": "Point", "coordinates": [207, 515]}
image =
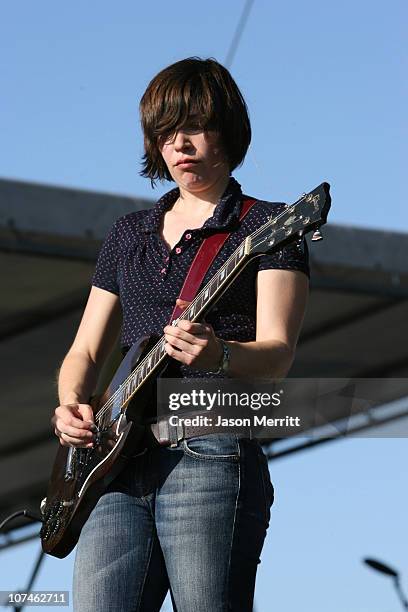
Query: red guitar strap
{"type": "Point", "coordinates": [205, 255]}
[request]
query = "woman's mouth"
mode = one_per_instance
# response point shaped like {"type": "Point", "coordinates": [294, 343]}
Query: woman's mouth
{"type": "Point", "coordinates": [185, 163]}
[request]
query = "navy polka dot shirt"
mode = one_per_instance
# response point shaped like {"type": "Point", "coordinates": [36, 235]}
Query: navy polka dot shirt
{"type": "Point", "coordinates": [136, 264]}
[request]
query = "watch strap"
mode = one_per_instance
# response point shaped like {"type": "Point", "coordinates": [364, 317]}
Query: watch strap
{"type": "Point", "coordinates": [225, 359]}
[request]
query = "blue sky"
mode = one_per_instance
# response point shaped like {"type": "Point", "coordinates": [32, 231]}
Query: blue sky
{"type": "Point", "coordinates": [323, 82]}
{"type": "Point", "coordinates": [325, 89]}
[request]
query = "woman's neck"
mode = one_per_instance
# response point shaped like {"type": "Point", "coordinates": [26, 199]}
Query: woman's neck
{"type": "Point", "coordinates": [202, 202]}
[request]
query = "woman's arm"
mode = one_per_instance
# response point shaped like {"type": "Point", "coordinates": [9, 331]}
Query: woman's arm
{"type": "Point", "coordinates": [79, 371]}
{"type": "Point", "coordinates": [281, 304]}
{"type": "Point", "coordinates": [95, 338]}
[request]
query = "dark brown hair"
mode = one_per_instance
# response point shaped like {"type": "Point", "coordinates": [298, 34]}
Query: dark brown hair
{"type": "Point", "coordinates": [193, 87]}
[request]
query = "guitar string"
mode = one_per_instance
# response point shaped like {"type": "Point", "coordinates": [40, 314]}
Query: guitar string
{"type": "Point", "coordinates": [116, 395]}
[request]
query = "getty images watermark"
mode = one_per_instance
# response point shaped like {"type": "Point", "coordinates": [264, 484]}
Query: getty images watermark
{"type": "Point", "coordinates": [220, 401]}
{"type": "Point", "coordinates": [304, 406]}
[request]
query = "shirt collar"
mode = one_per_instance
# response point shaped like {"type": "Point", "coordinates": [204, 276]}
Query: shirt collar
{"type": "Point", "coordinates": [225, 214]}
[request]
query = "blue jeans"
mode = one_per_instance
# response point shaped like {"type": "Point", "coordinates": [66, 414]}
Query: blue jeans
{"type": "Point", "coordinates": [191, 519]}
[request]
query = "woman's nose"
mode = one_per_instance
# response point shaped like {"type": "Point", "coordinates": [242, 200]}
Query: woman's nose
{"type": "Point", "coordinates": [181, 140]}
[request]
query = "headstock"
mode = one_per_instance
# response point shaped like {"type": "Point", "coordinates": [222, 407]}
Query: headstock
{"type": "Point", "coordinates": [305, 215]}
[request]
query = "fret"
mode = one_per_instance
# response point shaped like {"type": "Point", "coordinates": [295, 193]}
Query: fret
{"type": "Point", "coordinates": [122, 394]}
{"type": "Point", "coordinates": [136, 379]}
{"type": "Point", "coordinates": [199, 303]}
{"type": "Point", "coordinates": [128, 390]}
{"type": "Point", "coordinates": [213, 286]}
{"type": "Point", "coordinates": [130, 385]}
{"type": "Point", "coordinates": [115, 411]}
{"type": "Point", "coordinates": [133, 384]}
{"type": "Point", "coordinates": [211, 290]}
{"type": "Point", "coordinates": [155, 358]}
{"type": "Point", "coordinates": [228, 268]}
{"type": "Point", "coordinates": [161, 351]}
{"type": "Point", "coordinates": [120, 401]}
{"type": "Point", "coordinates": [231, 265]}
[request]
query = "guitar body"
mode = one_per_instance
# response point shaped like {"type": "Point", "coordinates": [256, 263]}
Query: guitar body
{"type": "Point", "coordinates": [81, 475]}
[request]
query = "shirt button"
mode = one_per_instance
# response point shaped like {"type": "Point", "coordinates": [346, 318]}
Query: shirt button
{"type": "Point", "coordinates": [188, 236]}
{"type": "Point", "coordinates": [178, 250]}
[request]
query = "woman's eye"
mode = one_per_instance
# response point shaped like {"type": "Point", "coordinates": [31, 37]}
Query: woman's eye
{"type": "Point", "coordinates": [165, 139]}
{"type": "Point", "coordinates": [192, 128]}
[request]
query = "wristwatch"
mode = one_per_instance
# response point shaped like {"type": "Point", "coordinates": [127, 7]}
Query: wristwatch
{"type": "Point", "coordinates": [225, 359]}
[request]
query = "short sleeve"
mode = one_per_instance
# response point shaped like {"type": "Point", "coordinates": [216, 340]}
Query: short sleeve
{"type": "Point", "coordinates": [294, 256]}
{"type": "Point", "coordinates": [106, 271]}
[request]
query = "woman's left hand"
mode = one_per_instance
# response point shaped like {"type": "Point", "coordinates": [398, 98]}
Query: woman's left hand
{"type": "Point", "coordinates": [194, 344]}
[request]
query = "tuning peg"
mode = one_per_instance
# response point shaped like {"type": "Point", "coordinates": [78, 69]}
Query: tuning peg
{"type": "Point", "coordinates": [317, 236]}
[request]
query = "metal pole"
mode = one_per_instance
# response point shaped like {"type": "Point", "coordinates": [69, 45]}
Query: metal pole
{"type": "Point", "coordinates": [32, 578]}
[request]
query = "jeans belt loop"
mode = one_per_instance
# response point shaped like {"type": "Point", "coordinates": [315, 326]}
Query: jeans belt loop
{"type": "Point", "coordinates": [175, 434]}
{"type": "Point", "coordinates": [164, 430]}
{"type": "Point", "coordinates": [181, 432]}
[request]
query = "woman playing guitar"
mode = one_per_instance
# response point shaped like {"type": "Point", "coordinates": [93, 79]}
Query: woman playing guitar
{"type": "Point", "coordinates": [190, 517]}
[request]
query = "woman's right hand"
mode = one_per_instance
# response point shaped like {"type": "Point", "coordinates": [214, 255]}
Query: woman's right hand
{"type": "Point", "coordinates": [74, 425]}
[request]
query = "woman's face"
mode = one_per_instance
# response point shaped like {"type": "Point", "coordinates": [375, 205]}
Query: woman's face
{"type": "Point", "coordinates": [195, 158]}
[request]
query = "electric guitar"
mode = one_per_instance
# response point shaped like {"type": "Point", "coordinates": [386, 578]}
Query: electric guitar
{"type": "Point", "coordinates": [80, 475]}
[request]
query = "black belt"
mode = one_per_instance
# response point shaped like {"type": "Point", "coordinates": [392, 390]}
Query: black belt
{"type": "Point", "coordinates": [170, 435]}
